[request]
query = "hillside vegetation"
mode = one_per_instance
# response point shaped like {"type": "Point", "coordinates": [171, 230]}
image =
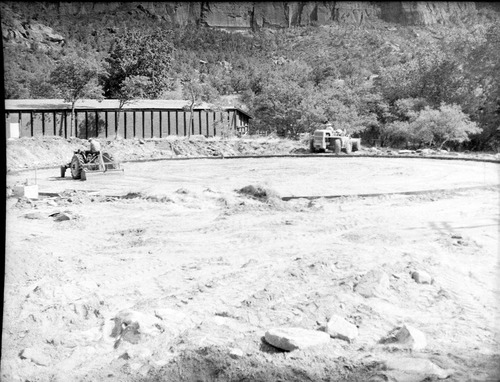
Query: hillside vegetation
{"type": "Point", "coordinates": [404, 86]}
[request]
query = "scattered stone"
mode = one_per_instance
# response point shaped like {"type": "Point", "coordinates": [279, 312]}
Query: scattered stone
{"type": "Point", "coordinates": [197, 137]}
{"type": "Point", "coordinates": [417, 366]}
{"type": "Point", "coordinates": [131, 325]}
{"type": "Point", "coordinates": [407, 337]}
{"type": "Point", "coordinates": [52, 203]}
{"type": "Point", "coordinates": [373, 284]}
{"type": "Point", "coordinates": [35, 356]}
{"type": "Point", "coordinates": [34, 215]}
{"type": "Point", "coordinates": [295, 338]}
{"type": "Point", "coordinates": [338, 327]}
{"type": "Point", "coordinates": [236, 353]}
{"type": "Point", "coordinates": [422, 277]}
{"type": "Point", "coordinates": [138, 353]}
{"type": "Point", "coordinates": [60, 216]}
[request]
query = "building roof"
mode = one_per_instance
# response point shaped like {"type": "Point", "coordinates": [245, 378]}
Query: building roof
{"type": "Point", "coordinates": [86, 104]}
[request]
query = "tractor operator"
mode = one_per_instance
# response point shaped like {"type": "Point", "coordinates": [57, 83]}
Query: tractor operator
{"type": "Point", "coordinates": [95, 148]}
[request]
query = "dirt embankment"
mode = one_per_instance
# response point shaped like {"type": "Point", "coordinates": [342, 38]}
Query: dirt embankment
{"type": "Point", "coordinates": [30, 153]}
{"type": "Point", "coordinates": [27, 153]}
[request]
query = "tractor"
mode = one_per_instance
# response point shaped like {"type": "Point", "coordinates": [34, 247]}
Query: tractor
{"type": "Point", "coordinates": [85, 162]}
{"type": "Point", "coordinates": [328, 139]}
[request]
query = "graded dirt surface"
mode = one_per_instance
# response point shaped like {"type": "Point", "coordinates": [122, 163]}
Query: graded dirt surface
{"type": "Point", "coordinates": [204, 270]}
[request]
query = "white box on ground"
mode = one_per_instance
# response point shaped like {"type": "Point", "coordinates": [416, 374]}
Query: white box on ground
{"type": "Point", "coordinates": [14, 130]}
{"type": "Point", "coordinates": [30, 191]}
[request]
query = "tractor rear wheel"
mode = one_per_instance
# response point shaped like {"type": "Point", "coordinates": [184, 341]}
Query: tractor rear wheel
{"type": "Point", "coordinates": [348, 147]}
{"type": "Point", "coordinates": [76, 166]}
{"type": "Point", "coordinates": [337, 146]}
{"type": "Point", "coordinates": [312, 149]}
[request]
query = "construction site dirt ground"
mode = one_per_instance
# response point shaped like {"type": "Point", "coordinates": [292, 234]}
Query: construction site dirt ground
{"type": "Point", "coordinates": [209, 254]}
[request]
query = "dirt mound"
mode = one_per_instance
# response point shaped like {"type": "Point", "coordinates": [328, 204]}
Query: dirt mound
{"type": "Point", "coordinates": [29, 153]}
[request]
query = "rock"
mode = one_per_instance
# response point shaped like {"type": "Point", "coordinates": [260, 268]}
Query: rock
{"type": "Point", "coordinates": [407, 337]}
{"type": "Point", "coordinates": [337, 327]}
{"type": "Point", "coordinates": [374, 284]}
{"type": "Point", "coordinates": [60, 216]}
{"type": "Point", "coordinates": [35, 356]}
{"type": "Point", "coordinates": [295, 338]}
{"type": "Point", "coordinates": [422, 277]}
{"type": "Point", "coordinates": [197, 138]}
{"type": "Point", "coordinates": [34, 215]}
{"type": "Point", "coordinates": [404, 152]}
{"type": "Point", "coordinates": [131, 325]}
{"type": "Point", "coordinates": [417, 366]}
{"type": "Point", "coordinates": [236, 353]}
{"type": "Point", "coordinates": [138, 353]}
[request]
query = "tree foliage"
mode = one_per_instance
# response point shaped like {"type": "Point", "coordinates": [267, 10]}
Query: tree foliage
{"type": "Point", "coordinates": [371, 80]}
{"type": "Point", "coordinates": [75, 78]}
{"type": "Point", "coordinates": [136, 55]}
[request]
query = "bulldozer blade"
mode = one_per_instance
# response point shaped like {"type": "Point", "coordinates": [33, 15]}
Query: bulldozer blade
{"type": "Point", "coordinates": [86, 174]}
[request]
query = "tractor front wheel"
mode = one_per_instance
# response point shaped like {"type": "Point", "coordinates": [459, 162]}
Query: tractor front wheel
{"type": "Point", "coordinates": [76, 166]}
{"type": "Point", "coordinates": [337, 146]}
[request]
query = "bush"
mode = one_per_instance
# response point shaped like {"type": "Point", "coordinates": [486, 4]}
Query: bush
{"type": "Point", "coordinates": [446, 124]}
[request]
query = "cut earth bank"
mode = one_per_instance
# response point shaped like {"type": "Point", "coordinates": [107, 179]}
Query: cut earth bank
{"type": "Point", "coordinates": [182, 280]}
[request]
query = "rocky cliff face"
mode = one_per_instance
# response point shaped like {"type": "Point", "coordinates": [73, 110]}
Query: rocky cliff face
{"type": "Point", "coordinates": [276, 14]}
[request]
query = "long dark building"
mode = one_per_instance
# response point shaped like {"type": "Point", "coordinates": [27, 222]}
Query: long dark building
{"type": "Point", "coordinates": [138, 119]}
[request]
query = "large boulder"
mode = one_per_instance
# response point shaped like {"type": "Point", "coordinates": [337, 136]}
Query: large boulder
{"type": "Point", "coordinates": [295, 338]}
{"type": "Point", "coordinates": [405, 337]}
{"type": "Point", "coordinates": [338, 327]}
{"type": "Point", "coordinates": [373, 284]}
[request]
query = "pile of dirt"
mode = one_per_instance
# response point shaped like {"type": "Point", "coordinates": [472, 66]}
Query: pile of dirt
{"type": "Point", "coordinates": [44, 152]}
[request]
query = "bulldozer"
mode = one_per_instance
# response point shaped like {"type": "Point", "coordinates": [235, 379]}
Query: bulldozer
{"type": "Point", "coordinates": [333, 140]}
{"type": "Point", "coordinates": [85, 163]}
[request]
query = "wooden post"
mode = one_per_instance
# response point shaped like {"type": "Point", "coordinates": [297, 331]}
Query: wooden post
{"type": "Point", "coordinates": [199, 120]}
{"type": "Point", "coordinates": [106, 123]}
{"type": "Point", "coordinates": [31, 122]}
{"type": "Point", "coordinates": [55, 125]}
{"type": "Point", "coordinates": [134, 127]}
{"type": "Point", "coordinates": [86, 125]}
{"type": "Point", "coordinates": [143, 126]}
{"type": "Point", "coordinates": [125, 125]}
{"type": "Point", "coordinates": [160, 114]}
{"type": "Point", "coordinates": [96, 124]}
{"type": "Point", "coordinates": [185, 127]}
{"type": "Point", "coordinates": [152, 127]}
{"type": "Point", "coordinates": [168, 122]}
{"type": "Point", "coordinates": [208, 126]}
{"type": "Point", "coordinates": [177, 122]}
{"type": "Point", "coordinates": [43, 123]}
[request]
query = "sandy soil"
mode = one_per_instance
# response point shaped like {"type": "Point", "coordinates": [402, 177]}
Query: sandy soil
{"type": "Point", "coordinates": [206, 270]}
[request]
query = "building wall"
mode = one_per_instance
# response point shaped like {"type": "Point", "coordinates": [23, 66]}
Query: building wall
{"type": "Point", "coordinates": [128, 124]}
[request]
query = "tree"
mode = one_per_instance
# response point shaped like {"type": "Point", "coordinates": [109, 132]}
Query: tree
{"type": "Point", "coordinates": [132, 87]}
{"type": "Point", "coordinates": [196, 90]}
{"type": "Point", "coordinates": [135, 54]}
{"type": "Point", "coordinates": [446, 124]}
{"type": "Point", "coordinates": [75, 78]}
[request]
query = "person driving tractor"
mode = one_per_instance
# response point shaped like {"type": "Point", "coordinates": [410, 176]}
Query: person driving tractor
{"type": "Point", "coordinates": [95, 148]}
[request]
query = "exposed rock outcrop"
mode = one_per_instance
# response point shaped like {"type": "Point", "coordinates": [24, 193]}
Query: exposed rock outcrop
{"type": "Point", "coordinates": [274, 14]}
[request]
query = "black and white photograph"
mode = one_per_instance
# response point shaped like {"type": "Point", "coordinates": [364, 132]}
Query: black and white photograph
{"type": "Point", "coordinates": [215, 191]}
